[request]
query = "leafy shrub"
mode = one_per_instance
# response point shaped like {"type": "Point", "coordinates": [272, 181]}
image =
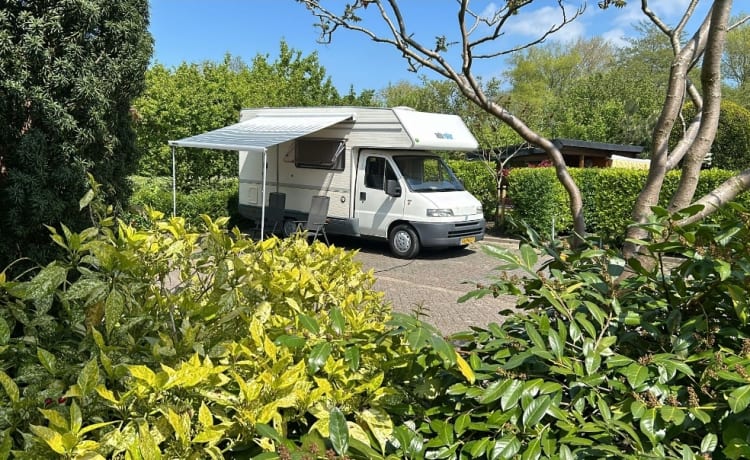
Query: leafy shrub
{"type": "Point", "coordinates": [650, 365]}
{"type": "Point", "coordinates": [539, 200]}
{"type": "Point", "coordinates": [164, 342]}
{"type": "Point", "coordinates": [215, 199]}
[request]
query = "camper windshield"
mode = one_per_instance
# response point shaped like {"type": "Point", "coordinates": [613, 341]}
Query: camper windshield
{"type": "Point", "coordinates": [427, 174]}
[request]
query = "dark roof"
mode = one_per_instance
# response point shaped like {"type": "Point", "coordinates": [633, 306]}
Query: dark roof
{"type": "Point", "coordinates": [603, 148]}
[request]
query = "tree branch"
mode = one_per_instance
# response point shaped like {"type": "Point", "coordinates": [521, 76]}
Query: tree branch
{"type": "Point", "coordinates": [720, 196]}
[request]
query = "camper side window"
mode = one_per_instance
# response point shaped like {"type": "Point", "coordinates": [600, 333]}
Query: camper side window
{"type": "Point", "coordinates": [374, 172]}
{"type": "Point", "coordinates": [320, 154]}
{"type": "Point", "coordinates": [377, 172]}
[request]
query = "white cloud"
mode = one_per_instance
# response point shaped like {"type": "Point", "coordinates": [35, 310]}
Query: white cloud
{"type": "Point", "coordinates": [533, 24]}
{"type": "Point", "coordinates": [616, 37]}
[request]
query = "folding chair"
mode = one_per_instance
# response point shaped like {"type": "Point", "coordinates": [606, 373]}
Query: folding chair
{"type": "Point", "coordinates": [317, 218]}
{"type": "Point", "coordinates": [275, 212]}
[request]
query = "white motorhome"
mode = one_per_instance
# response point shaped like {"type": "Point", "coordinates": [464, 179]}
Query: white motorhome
{"type": "Point", "coordinates": [376, 165]}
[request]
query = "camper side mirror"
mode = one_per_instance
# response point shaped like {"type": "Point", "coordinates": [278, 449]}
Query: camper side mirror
{"type": "Point", "coordinates": [392, 188]}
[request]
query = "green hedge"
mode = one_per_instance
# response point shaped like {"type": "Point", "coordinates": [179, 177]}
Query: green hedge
{"type": "Point", "coordinates": [608, 197]}
{"type": "Point", "coordinates": [217, 199]}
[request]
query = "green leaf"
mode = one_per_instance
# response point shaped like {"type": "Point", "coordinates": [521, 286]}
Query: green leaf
{"type": "Point", "coordinates": [534, 412]}
{"type": "Point", "coordinates": [339, 431]}
{"type": "Point", "coordinates": [352, 356]}
{"type": "Point", "coordinates": [86, 199]}
{"type": "Point", "coordinates": [143, 373]}
{"type": "Point", "coordinates": [511, 395]}
{"type": "Point", "coordinates": [709, 443]}
{"type": "Point", "coordinates": [462, 423]}
{"type": "Point", "coordinates": [494, 391]}
{"type": "Point", "coordinates": [309, 323]}
{"type": "Point", "coordinates": [76, 419]}
{"type": "Point", "coordinates": [47, 360]}
{"type": "Point", "coordinates": [477, 448]}
{"type": "Point", "coordinates": [4, 332]}
{"type": "Point", "coordinates": [672, 414]}
{"type": "Point", "coordinates": [147, 445]}
{"type": "Point", "coordinates": [739, 399]}
{"type": "Point", "coordinates": [318, 356]}
{"type": "Point", "coordinates": [268, 431]}
{"type": "Point", "coordinates": [5, 445]}
{"type": "Point", "coordinates": [534, 335]}
{"type": "Point", "coordinates": [338, 323]}
{"type": "Point", "coordinates": [533, 449]}
{"type": "Point", "coordinates": [555, 343]}
{"type": "Point", "coordinates": [443, 430]}
{"type": "Point", "coordinates": [444, 349]}
{"type": "Point", "coordinates": [113, 309]}
{"type": "Point", "coordinates": [636, 375]}
{"type": "Point", "coordinates": [505, 448]}
{"type": "Point", "coordinates": [51, 437]}
{"type": "Point", "coordinates": [290, 341]}
{"type": "Point", "coordinates": [89, 377]}
{"type": "Point", "coordinates": [380, 425]}
{"type": "Point", "coordinates": [418, 337]}
{"type": "Point", "coordinates": [529, 256]}
{"type": "Point", "coordinates": [648, 425]}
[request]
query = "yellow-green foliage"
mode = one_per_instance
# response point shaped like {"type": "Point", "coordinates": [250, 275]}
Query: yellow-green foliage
{"type": "Point", "coordinates": [167, 342]}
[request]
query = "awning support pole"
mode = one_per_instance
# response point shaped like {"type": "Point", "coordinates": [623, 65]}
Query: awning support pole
{"type": "Point", "coordinates": [174, 185]}
{"type": "Point", "coordinates": [263, 196]}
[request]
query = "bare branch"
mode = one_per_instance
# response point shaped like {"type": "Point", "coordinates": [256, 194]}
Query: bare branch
{"type": "Point", "coordinates": [720, 196]}
{"type": "Point", "coordinates": [503, 19]}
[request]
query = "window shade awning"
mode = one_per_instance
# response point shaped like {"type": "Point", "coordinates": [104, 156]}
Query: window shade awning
{"type": "Point", "coordinates": [261, 132]}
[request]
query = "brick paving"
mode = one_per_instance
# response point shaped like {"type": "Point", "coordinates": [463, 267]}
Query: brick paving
{"type": "Point", "coordinates": [434, 281]}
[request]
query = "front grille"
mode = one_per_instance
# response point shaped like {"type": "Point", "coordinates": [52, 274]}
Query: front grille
{"type": "Point", "coordinates": [462, 229]}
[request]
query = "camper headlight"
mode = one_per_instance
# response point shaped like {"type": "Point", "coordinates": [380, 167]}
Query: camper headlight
{"type": "Point", "coordinates": [439, 213]}
{"type": "Point", "coordinates": [480, 210]}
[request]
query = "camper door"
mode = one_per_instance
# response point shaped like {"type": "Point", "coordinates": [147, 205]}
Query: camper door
{"type": "Point", "coordinates": [374, 208]}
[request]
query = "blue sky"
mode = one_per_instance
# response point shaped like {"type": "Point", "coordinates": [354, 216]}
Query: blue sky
{"type": "Point", "coordinates": [199, 30]}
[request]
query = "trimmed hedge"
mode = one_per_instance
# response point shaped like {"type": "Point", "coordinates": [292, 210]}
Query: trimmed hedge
{"type": "Point", "coordinates": [608, 197]}
{"type": "Point", "coordinates": [218, 199]}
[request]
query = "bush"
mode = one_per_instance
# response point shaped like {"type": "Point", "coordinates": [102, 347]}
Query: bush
{"type": "Point", "coordinates": [652, 365]}
{"type": "Point", "coordinates": [165, 342]}
{"type": "Point", "coordinates": [216, 199]}
{"type": "Point", "coordinates": [609, 195]}
{"type": "Point", "coordinates": [539, 200]}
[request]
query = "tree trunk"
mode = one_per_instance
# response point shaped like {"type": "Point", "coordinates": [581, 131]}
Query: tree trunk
{"type": "Point", "coordinates": [676, 89]}
{"type": "Point", "coordinates": [711, 83]}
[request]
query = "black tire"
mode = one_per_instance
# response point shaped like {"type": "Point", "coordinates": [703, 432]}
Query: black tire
{"type": "Point", "coordinates": [404, 242]}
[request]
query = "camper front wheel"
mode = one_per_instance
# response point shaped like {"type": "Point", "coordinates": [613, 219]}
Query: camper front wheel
{"type": "Point", "coordinates": [404, 241]}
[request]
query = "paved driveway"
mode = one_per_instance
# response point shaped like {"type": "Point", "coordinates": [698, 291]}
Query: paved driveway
{"type": "Point", "coordinates": [434, 281]}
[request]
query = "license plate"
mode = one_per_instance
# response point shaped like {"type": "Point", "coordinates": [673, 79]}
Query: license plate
{"type": "Point", "coordinates": [468, 240]}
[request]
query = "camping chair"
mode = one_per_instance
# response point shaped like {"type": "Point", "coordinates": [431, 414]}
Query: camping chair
{"type": "Point", "coordinates": [317, 218]}
{"type": "Point", "coordinates": [275, 212]}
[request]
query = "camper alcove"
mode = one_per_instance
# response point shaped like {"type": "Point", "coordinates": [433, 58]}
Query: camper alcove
{"type": "Point", "coordinates": [376, 165]}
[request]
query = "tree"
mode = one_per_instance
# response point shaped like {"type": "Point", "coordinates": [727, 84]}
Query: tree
{"type": "Point", "coordinates": [68, 73]}
{"type": "Point", "coordinates": [480, 36]}
{"type": "Point", "coordinates": [197, 97]}
{"type": "Point", "coordinates": [542, 77]}
{"type": "Point", "coordinates": [736, 64]}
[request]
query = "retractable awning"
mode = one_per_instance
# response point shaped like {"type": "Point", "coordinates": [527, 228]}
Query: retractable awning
{"type": "Point", "coordinates": [261, 132]}
{"type": "Point", "coordinates": [256, 135]}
